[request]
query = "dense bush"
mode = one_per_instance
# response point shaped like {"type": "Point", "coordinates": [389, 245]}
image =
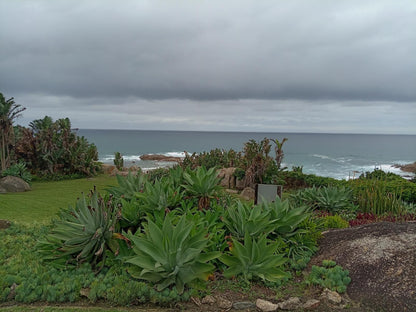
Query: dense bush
{"type": "Point", "coordinates": [53, 149]}
{"type": "Point", "coordinates": [296, 179]}
{"type": "Point", "coordinates": [18, 170]}
{"type": "Point", "coordinates": [330, 198]}
{"type": "Point", "coordinates": [404, 189]}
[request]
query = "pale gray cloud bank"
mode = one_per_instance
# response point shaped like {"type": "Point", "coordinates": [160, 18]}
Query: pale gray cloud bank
{"type": "Point", "coordinates": [314, 66]}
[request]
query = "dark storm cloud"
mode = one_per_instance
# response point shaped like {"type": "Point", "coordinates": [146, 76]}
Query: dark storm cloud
{"type": "Point", "coordinates": [210, 50]}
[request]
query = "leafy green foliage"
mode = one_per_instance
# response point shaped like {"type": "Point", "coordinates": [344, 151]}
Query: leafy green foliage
{"type": "Point", "coordinates": [53, 148]}
{"type": "Point", "coordinates": [9, 111]}
{"type": "Point", "coordinates": [18, 170]}
{"type": "Point", "coordinates": [213, 159]}
{"type": "Point", "coordinates": [330, 276]}
{"type": "Point", "coordinates": [254, 259]}
{"type": "Point", "coordinates": [285, 219]}
{"type": "Point", "coordinates": [296, 179]}
{"type": "Point", "coordinates": [302, 245]}
{"type": "Point", "coordinates": [131, 213]}
{"type": "Point", "coordinates": [334, 222]}
{"type": "Point", "coordinates": [171, 255]}
{"type": "Point", "coordinates": [328, 198]}
{"type": "Point", "coordinates": [203, 184]}
{"type": "Point", "coordinates": [128, 186]}
{"type": "Point", "coordinates": [159, 196]}
{"type": "Point", "coordinates": [118, 161]}
{"type": "Point", "coordinates": [375, 196]}
{"type": "Point", "coordinates": [40, 281]}
{"type": "Point", "coordinates": [242, 218]}
{"type": "Point", "coordinates": [83, 233]}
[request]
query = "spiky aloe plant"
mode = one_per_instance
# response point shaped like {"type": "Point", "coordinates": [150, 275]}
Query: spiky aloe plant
{"type": "Point", "coordinates": [284, 218]}
{"type": "Point", "coordinates": [203, 184]}
{"type": "Point", "coordinates": [84, 233]}
{"type": "Point", "coordinates": [128, 186]}
{"type": "Point", "coordinates": [171, 255]}
{"type": "Point", "coordinates": [254, 258]}
{"type": "Point", "coordinates": [243, 218]}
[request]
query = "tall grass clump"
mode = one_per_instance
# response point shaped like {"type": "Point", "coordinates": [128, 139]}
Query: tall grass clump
{"type": "Point", "coordinates": [375, 197]}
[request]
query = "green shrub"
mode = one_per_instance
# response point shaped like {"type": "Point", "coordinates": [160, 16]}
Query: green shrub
{"type": "Point", "coordinates": [128, 186]}
{"type": "Point", "coordinates": [118, 161]}
{"type": "Point", "coordinates": [377, 197]}
{"type": "Point", "coordinates": [296, 179]}
{"type": "Point", "coordinates": [159, 196]}
{"type": "Point", "coordinates": [18, 170]}
{"type": "Point", "coordinates": [83, 233]}
{"type": "Point", "coordinates": [285, 219]}
{"type": "Point", "coordinates": [170, 255]}
{"type": "Point", "coordinates": [242, 218]}
{"type": "Point", "coordinates": [330, 276]}
{"type": "Point", "coordinates": [328, 198]}
{"type": "Point", "coordinates": [202, 184]}
{"type": "Point", "coordinates": [255, 259]}
{"type": "Point", "coordinates": [334, 222]}
{"type": "Point", "coordinates": [52, 148]}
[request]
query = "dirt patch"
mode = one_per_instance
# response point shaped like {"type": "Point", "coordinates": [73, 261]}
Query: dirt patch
{"type": "Point", "coordinates": [4, 224]}
{"type": "Point", "coordinates": [381, 258]}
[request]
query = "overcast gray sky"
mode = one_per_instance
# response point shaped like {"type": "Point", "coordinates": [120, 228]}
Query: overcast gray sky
{"type": "Point", "coordinates": [238, 65]}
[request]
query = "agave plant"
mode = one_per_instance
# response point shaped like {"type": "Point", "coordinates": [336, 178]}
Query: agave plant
{"type": "Point", "coordinates": [130, 213]}
{"type": "Point", "coordinates": [285, 219]}
{"type": "Point", "coordinates": [170, 255]}
{"type": "Point", "coordinates": [329, 198]}
{"type": "Point", "coordinates": [256, 258]}
{"type": "Point", "coordinates": [203, 184]}
{"type": "Point", "coordinates": [128, 186]}
{"type": "Point", "coordinates": [242, 218]}
{"type": "Point", "coordinates": [159, 196]}
{"type": "Point", "coordinates": [84, 233]}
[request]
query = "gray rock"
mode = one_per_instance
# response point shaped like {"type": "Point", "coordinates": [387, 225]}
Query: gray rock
{"type": "Point", "coordinates": [208, 300]}
{"type": "Point", "coordinates": [227, 177]}
{"type": "Point", "coordinates": [311, 304]}
{"type": "Point", "coordinates": [331, 296]}
{"type": "Point", "coordinates": [248, 193]}
{"type": "Point", "coordinates": [266, 306]}
{"type": "Point", "coordinates": [243, 305]}
{"type": "Point", "coordinates": [292, 303]}
{"type": "Point", "coordinates": [223, 303]}
{"type": "Point", "coordinates": [12, 184]}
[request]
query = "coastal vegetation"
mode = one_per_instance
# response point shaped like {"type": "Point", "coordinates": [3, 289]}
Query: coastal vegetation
{"type": "Point", "coordinates": [172, 234]}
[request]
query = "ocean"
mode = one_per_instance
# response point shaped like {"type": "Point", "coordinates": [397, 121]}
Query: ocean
{"type": "Point", "coordinates": [340, 156]}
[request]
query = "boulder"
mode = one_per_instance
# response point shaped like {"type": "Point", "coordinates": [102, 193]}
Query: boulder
{"type": "Point", "coordinates": [248, 193]}
{"type": "Point", "coordinates": [293, 303]}
{"type": "Point", "coordinates": [266, 306]}
{"type": "Point", "coordinates": [227, 177]}
{"type": "Point", "coordinates": [108, 169]}
{"type": "Point", "coordinates": [158, 157]}
{"type": "Point", "coordinates": [331, 296]}
{"type": "Point", "coordinates": [239, 184]}
{"type": "Point", "coordinates": [12, 184]}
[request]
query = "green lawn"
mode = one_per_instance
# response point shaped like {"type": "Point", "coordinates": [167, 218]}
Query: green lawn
{"type": "Point", "coordinates": [46, 198]}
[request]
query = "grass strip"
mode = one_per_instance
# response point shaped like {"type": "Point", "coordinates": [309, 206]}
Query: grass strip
{"type": "Point", "coordinates": [46, 198]}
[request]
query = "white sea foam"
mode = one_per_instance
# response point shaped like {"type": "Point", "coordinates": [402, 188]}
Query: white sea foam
{"type": "Point", "coordinates": [175, 154]}
{"type": "Point", "coordinates": [338, 160]}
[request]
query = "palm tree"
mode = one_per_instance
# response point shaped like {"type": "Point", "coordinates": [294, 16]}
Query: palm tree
{"type": "Point", "coordinates": [9, 111]}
